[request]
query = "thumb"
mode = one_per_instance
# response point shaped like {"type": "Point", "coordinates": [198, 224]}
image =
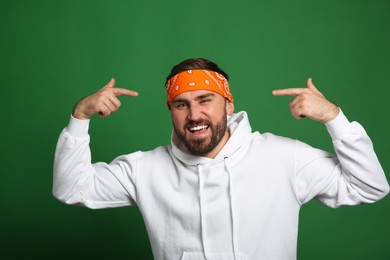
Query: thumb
{"type": "Point", "coordinates": [110, 84]}
{"type": "Point", "coordinates": [310, 85]}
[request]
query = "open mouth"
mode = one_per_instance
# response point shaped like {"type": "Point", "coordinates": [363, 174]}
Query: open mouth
{"type": "Point", "coordinates": [198, 128]}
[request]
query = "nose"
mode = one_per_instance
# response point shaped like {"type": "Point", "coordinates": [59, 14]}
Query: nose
{"type": "Point", "coordinates": [194, 113]}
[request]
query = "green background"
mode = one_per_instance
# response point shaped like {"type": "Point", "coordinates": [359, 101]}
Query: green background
{"type": "Point", "coordinates": [53, 53]}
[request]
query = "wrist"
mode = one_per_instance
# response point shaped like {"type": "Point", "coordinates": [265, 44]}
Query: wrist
{"type": "Point", "coordinates": [79, 114]}
{"type": "Point", "coordinates": [332, 114]}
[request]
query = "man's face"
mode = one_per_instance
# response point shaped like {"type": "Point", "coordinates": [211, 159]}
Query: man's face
{"type": "Point", "coordinates": [199, 120]}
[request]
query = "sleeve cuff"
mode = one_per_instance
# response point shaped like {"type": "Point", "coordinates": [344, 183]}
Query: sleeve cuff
{"type": "Point", "coordinates": [339, 126]}
{"type": "Point", "coordinates": [77, 127]}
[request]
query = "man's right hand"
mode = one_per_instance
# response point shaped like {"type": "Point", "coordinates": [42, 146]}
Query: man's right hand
{"type": "Point", "coordinates": [104, 102]}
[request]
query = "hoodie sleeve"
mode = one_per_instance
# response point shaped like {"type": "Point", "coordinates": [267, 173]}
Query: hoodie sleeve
{"type": "Point", "coordinates": [351, 177]}
{"type": "Point", "coordinates": [77, 181]}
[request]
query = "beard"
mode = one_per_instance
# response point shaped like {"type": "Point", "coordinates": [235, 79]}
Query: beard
{"type": "Point", "coordinates": [203, 146]}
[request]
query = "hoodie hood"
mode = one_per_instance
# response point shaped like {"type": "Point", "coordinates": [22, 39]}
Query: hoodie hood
{"type": "Point", "coordinates": [240, 130]}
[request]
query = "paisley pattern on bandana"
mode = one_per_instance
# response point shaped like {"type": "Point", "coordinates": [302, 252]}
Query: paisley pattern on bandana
{"type": "Point", "coordinates": [198, 80]}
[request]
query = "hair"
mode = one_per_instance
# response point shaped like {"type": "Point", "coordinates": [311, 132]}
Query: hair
{"type": "Point", "coordinates": [196, 63]}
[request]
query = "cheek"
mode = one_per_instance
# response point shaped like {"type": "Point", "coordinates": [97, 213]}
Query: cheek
{"type": "Point", "coordinates": [178, 119]}
{"type": "Point", "coordinates": [215, 113]}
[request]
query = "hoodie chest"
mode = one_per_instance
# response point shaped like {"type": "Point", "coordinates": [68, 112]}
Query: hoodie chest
{"type": "Point", "coordinates": [182, 190]}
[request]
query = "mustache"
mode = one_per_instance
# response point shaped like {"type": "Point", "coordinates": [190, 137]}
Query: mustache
{"type": "Point", "coordinates": [192, 123]}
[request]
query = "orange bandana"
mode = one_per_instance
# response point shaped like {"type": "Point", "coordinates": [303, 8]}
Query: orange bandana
{"type": "Point", "coordinates": [190, 80]}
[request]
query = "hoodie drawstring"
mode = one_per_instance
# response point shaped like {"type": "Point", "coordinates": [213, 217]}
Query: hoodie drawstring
{"type": "Point", "coordinates": [233, 218]}
{"type": "Point", "coordinates": [202, 217]}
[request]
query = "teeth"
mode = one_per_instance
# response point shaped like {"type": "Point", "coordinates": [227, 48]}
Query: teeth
{"type": "Point", "coordinates": [197, 128]}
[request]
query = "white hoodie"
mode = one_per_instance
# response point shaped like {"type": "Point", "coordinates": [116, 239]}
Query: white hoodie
{"type": "Point", "coordinates": [243, 204]}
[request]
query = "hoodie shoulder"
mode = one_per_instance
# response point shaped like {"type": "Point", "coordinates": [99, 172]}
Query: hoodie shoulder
{"type": "Point", "coordinates": [275, 139]}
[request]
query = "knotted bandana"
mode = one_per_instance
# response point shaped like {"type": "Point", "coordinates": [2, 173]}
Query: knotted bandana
{"type": "Point", "coordinates": [190, 80]}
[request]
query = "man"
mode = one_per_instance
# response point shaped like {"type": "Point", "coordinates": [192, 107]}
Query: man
{"type": "Point", "coordinates": [219, 190]}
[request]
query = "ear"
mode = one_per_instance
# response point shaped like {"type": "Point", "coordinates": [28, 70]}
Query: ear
{"type": "Point", "coordinates": [229, 108]}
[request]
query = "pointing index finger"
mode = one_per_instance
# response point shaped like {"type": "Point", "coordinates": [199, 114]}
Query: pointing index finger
{"type": "Point", "coordinates": [124, 92]}
{"type": "Point", "coordinates": [288, 92]}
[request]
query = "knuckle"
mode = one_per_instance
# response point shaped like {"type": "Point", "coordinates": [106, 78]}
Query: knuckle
{"type": "Point", "coordinates": [101, 98]}
{"type": "Point", "coordinates": [305, 103]}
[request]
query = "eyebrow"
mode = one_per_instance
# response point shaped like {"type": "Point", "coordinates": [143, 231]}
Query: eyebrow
{"type": "Point", "coordinates": [180, 100]}
{"type": "Point", "coordinates": [205, 96]}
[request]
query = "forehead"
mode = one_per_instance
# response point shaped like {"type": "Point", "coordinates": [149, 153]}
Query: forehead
{"type": "Point", "coordinates": [195, 94]}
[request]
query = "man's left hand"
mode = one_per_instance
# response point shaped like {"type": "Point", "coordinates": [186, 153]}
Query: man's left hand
{"type": "Point", "coordinates": [309, 102]}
